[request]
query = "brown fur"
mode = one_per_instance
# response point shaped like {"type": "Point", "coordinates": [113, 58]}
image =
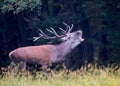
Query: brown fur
{"type": "Point", "coordinates": [34, 54]}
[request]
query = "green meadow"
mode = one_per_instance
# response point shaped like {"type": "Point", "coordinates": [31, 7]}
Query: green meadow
{"type": "Point", "coordinates": [81, 77]}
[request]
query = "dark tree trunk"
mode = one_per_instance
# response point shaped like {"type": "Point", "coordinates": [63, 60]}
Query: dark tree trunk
{"type": "Point", "coordinates": [45, 7]}
{"type": "Point", "coordinates": [23, 32]}
{"type": "Point", "coordinates": [87, 47]}
{"type": "Point", "coordinates": [112, 22]}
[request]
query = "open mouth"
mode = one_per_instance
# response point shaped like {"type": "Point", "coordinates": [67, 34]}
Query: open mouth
{"type": "Point", "coordinates": [82, 39]}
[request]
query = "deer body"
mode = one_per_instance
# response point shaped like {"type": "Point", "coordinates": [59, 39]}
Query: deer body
{"type": "Point", "coordinates": [46, 54]}
{"type": "Point", "coordinates": [34, 54]}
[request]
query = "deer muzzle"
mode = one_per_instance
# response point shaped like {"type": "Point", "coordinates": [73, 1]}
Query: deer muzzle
{"type": "Point", "coordinates": [82, 39]}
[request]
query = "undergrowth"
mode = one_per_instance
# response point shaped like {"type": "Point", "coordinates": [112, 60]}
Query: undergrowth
{"type": "Point", "coordinates": [85, 76]}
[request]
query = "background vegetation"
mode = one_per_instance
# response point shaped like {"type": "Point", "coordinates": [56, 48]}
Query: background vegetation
{"type": "Point", "coordinates": [99, 20]}
{"type": "Point", "coordinates": [81, 77]}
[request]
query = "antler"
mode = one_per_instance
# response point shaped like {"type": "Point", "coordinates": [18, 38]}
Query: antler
{"type": "Point", "coordinates": [69, 28]}
{"type": "Point", "coordinates": [51, 30]}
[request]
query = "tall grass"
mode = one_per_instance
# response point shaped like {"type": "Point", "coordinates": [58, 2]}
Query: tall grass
{"type": "Point", "coordinates": [91, 76]}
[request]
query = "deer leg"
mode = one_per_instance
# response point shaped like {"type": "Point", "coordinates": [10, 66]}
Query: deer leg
{"type": "Point", "coordinates": [44, 67]}
{"type": "Point", "coordinates": [22, 66]}
{"type": "Point", "coordinates": [14, 66]}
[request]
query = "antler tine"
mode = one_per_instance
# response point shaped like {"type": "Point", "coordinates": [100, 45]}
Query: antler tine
{"type": "Point", "coordinates": [42, 33]}
{"type": "Point", "coordinates": [36, 38]}
{"type": "Point", "coordinates": [53, 31]}
{"type": "Point", "coordinates": [46, 36]}
{"type": "Point", "coordinates": [50, 31]}
{"type": "Point", "coordinates": [61, 29]}
{"type": "Point", "coordinates": [69, 28]}
{"type": "Point", "coordinates": [66, 25]}
{"type": "Point", "coordinates": [72, 26]}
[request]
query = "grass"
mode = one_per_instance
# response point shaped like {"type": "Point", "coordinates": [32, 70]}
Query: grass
{"type": "Point", "coordinates": [81, 77]}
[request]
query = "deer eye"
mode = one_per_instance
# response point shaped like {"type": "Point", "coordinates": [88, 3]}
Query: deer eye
{"type": "Point", "coordinates": [78, 33]}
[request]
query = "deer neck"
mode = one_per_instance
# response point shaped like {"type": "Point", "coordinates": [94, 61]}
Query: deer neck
{"type": "Point", "coordinates": [63, 49]}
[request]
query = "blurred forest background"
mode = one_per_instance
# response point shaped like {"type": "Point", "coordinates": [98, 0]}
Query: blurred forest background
{"type": "Point", "coordinates": [99, 20]}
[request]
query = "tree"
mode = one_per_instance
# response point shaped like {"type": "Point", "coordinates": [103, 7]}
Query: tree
{"type": "Point", "coordinates": [17, 6]}
{"type": "Point", "coordinates": [13, 25]}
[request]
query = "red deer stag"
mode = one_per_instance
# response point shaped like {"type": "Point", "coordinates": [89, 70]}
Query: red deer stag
{"type": "Point", "coordinates": [47, 54]}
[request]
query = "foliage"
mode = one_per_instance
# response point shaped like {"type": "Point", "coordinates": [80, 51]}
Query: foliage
{"type": "Point", "coordinates": [99, 20]}
{"type": "Point", "coordinates": [81, 77]}
{"type": "Point", "coordinates": [17, 6]}
{"type": "Point", "coordinates": [114, 46]}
